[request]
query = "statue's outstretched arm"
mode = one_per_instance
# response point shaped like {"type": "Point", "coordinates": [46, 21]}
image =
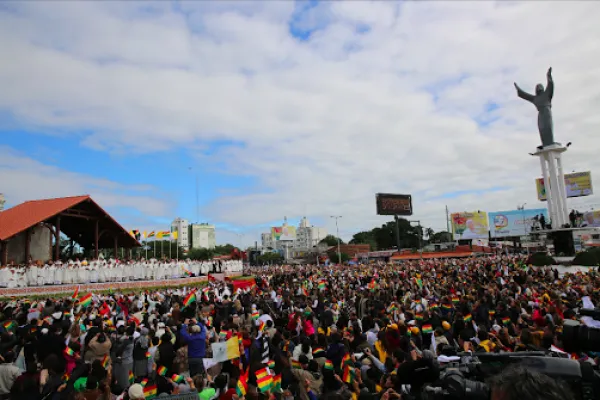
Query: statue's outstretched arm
{"type": "Point", "coordinates": [523, 94]}
{"type": "Point", "coordinates": [550, 85]}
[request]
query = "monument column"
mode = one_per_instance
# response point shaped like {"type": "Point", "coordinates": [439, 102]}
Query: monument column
{"type": "Point", "coordinates": [555, 189]}
{"type": "Point", "coordinates": [549, 200]}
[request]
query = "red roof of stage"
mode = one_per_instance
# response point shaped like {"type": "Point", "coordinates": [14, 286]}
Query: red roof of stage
{"type": "Point", "coordinates": [30, 213]}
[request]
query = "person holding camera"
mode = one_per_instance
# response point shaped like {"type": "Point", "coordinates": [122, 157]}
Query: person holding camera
{"type": "Point", "coordinates": [194, 334]}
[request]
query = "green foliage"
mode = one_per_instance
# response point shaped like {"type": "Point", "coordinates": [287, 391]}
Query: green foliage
{"type": "Point", "coordinates": [224, 250]}
{"type": "Point", "coordinates": [384, 237]}
{"type": "Point", "coordinates": [331, 240]}
{"type": "Point", "coordinates": [201, 254]}
{"type": "Point", "coordinates": [587, 258]}
{"type": "Point", "coordinates": [269, 258]}
{"type": "Point", "coordinates": [440, 237]}
{"type": "Point", "coordinates": [540, 260]}
{"type": "Point", "coordinates": [333, 257]}
{"type": "Point", "coordinates": [365, 237]}
{"type": "Point", "coordinates": [159, 249]}
{"type": "Point", "coordinates": [209, 254]}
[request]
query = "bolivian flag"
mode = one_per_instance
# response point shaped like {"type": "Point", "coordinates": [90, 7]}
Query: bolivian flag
{"type": "Point", "coordinates": [9, 325]}
{"type": "Point", "coordinates": [86, 300]}
{"type": "Point", "coordinates": [242, 384]}
{"type": "Point", "coordinates": [277, 382]}
{"type": "Point", "coordinates": [150, 392]}
{"type": "Point", "coordinates": [328, 365]}
{"type": "Point", "coordinates": [189, 299]}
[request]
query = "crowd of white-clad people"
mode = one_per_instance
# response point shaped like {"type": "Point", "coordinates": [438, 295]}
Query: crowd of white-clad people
{"type": "Point", "coordinates": [104, 271]}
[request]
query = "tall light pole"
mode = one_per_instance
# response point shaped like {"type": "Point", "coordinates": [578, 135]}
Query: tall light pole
{"type": "Point", "coordinates": [337, 229]}
{"type": "Point", "coordinates": [311, 239]}
{"type": "Point", "coordinates": [522, 209]}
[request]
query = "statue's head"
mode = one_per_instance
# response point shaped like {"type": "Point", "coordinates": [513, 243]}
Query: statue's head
{"type": "Point", "coordinates": [539, 88]}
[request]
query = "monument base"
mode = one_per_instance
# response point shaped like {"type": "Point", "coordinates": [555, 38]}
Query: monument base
{"type": "Point", "coordinates": [554, 183]}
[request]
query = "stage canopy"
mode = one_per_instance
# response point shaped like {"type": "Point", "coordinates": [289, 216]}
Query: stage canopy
{"type": "Point", "coordinates": [80, 218]}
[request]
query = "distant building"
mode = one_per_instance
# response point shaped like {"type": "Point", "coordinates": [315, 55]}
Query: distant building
{"type": "Point", "coordinates": [267, 242]}
{"type": "Point", "coordinates": [308, 236]}
{"type": "Point", "coordinates": [293, 242]}
{"type": "Point", "coordinates": [202, 236]}
{"type": "Point", "coordinates": [180, 226]}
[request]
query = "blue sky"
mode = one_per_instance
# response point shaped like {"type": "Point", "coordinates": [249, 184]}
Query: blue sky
{"type": "Point", "coordinates": [287, 108]}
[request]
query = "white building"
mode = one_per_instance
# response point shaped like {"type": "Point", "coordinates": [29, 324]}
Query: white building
{"type": "Point", "coordinates": [180, 226]}
{"type": "Point", "coordinates": [308, 236]}
{"type": "Point", "coordinates": [202, 236]}
{"type": "Point", "coordinates": [267, 242]}
{"type": "Point", "coordinates": [291, 241]}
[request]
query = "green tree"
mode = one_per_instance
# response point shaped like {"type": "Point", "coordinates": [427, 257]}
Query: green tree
{"type": "Point", "coordinates": [333, 257]}
{"type": "Point", "coordinates": [440, 237]}
{"type": "Point", "coordinates": [201, 254]}
{"type": "Point", "coordinates": [270, 258]}
{"type": "Point", "coordinates": [365, 237]}
{"type": "Point", "coordinates": [224, 250]}
{"type": "Point", "coordinates": [331, 240]}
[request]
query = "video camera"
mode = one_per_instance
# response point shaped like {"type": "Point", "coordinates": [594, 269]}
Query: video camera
{"type": "Point", "coordinates": [466, 379]}
{"type": "Point", "coordinates": [577, 337]}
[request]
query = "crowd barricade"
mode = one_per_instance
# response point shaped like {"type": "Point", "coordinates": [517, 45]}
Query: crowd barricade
{"type": "Point", "coordinates": [92, 287]}
{"type": "Point", "coordinates": [193, 395]}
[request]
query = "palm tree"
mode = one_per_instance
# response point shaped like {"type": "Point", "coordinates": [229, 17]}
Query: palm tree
{"type": "Point", "coordinates": [429, 233]}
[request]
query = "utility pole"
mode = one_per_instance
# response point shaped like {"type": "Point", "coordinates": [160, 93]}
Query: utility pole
{"type": "Point", "coordinates": [526, 234]}
{"type": "Point", "coordinates": [317, 246]}
{"type": "Point", "coordinates": [447, 220]}
{"type": "Point", "coordinates": [420, 234]}
{"type": "Point", "coordinates": [338, 237]}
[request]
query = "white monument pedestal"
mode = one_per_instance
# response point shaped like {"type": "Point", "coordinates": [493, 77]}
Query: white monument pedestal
{"type": "Point", "coordinates": [554, 183]}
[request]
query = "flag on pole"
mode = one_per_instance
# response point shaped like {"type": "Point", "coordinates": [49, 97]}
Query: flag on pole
{"type": "Point", "coordinates": [175, 235]}
{"type": "Point", "coordinates": [164, 235]}
{"type": "Point", "coordinates": [242, 384]}
{"type": "Point", "coordinates": [76, 292]}
{"type": "Point", "coordinates": [151, 234]}
{"type": "Point", "coordinates": [85, 300]}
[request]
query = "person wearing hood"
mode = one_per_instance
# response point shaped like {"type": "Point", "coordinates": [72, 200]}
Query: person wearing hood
{"type": "Point", "coordinates": [309, 373]}
{"type": "Point", "coordinates": [140, 348]}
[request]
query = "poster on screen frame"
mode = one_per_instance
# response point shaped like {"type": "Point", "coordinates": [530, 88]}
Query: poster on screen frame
{"type": "Point", "coordinates": [515, 222]}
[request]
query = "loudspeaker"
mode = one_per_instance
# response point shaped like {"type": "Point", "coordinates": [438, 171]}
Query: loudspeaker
{"type": "Point", "coordinates": [563, 243]}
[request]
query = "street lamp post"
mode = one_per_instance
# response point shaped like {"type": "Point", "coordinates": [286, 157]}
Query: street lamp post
{"type": "Point", "coordinates": [337, 229]}
{"type": "Point", "coordinates": [522, 209]}
{"type": "Point", "coordinates": [317, 246]}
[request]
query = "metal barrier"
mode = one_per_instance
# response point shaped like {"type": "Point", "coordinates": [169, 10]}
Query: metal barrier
{"type": "Point", "coordinates": [193, 395]}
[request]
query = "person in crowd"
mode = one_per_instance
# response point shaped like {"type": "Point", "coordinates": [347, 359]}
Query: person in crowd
{"type": "Point", "coordinates": [302, 332]}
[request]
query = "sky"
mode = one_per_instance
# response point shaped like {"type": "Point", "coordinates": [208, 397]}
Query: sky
{"type": "Point", "coordinates": [287, 109]}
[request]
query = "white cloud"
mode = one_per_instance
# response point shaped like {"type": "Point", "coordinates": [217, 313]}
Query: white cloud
{"type": "Point", "coordinates": [329, 121]}
{"type": "Point", "coordinates": [23, 178]}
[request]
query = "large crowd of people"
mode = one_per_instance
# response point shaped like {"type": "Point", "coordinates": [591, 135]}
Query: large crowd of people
{"type": "Point", "coordinates": [376, 331]}
{"type": "Point", "coordinates": [111, 270]}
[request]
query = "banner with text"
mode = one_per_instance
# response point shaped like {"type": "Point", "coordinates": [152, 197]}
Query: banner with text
{"type": "Point", "coordinates": [515, 222]}
{"type": "Point", "coordinates": [577, 184]}
{"type": "Point", "coordinates": [470, 225]}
